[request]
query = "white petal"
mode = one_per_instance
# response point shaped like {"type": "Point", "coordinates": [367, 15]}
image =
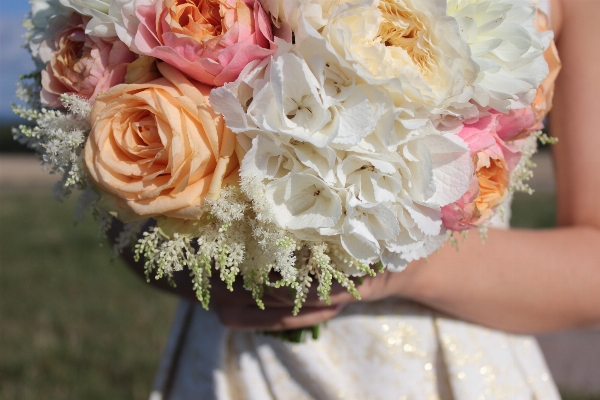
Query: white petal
{"type": "Point", "coordinates": [304, 201]}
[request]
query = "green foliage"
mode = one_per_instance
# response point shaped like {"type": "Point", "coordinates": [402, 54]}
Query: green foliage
{"type": "Point", "coordinates": [537, 210]}
{"type": "Point", "coordinates": [571, 395]}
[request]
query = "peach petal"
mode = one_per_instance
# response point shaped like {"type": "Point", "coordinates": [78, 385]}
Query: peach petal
{"type": "Point", "coordinates": [153, 151]}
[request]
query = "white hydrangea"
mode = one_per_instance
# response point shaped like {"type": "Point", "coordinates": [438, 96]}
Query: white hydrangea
{"type": "Point", "coordinates": [507, 47]}
{"type": "Point", "coordinates": [335, 158]}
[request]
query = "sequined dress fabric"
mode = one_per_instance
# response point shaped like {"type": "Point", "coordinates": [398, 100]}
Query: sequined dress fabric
{"type": "Point", "coordinates": [396, 350]}
{"type": "Point", "coordinates": [385, 350]}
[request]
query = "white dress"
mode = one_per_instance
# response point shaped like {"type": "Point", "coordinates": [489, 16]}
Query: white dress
{"type": "Point", "coordinates": [396, 350]}
{"type": "Point", "coordinates": [391, 349]}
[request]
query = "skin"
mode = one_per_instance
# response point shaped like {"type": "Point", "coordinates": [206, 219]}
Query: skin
{"type": "Point", "coordinates": [525, 281]}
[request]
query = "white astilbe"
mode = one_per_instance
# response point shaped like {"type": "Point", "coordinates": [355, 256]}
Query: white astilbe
{"type": "Point", "coordinates": [235, 241]}
{"type": "Point", "coordinates": [60, 138]}
{"type": "Point", "coordinates": [87, 202]}
{"type": "Point", "coordinates": [523, 172]}
{"type": "Point", "coordinates": [104, 220]}
{"type": "Point", "coordinates": [28, 90]}
{"type": "Point", "coordinates": [519, 177]}
{"type": "Point", "coordinates": [128, 236]}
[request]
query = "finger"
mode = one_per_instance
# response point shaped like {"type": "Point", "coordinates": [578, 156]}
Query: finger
{"type": "Point", "coordinates": [274, 319]}
{"type": "Point", "coordinates": [337, 295]}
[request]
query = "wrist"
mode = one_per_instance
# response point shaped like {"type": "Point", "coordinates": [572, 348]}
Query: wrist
{"type": "Point", "coordinates": [413, 283]}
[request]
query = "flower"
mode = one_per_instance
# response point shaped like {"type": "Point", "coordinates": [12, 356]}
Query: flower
{"type": "Point", "coordinates": [409, 46]}
{"type": "Point", "coordinates": [493, 160]}
{"type": "Point", "coordinates": [78, 63]}
{"type": "Point", "coordinates": [158, 149]}
{"type": "Point", "coordinates": [520, 122]}
{"type": "Point", "coordinates": [43, 13]}
{"type": "Point", "coordinates": [365, 227]}
{"type": "Point", "coordinates": [302, 201]}
{"type": "Point", "coordinates": [286, 99]}
{"type": "Point", "coordinates": [104, 15]}
{"type": "Point", "coordinates": [316, 12]}
{"type": "Point", "coordinates": [463, 214]}
{"type": "Point", "coordinates": [507, 47]}
{"type": "Point", "coordinates": [542, 103]}
{"type": "Point", "coordinates": [211, 41]}
{"type": "Point", "coordinates": [517, 123]}
{"type": "Point", "coordinates": [310, 131]}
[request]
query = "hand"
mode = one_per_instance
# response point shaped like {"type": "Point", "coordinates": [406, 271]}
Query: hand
{"type": "Point", "coordinates": [238, 309]}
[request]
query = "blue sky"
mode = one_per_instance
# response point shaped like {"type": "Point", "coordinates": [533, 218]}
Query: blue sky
{"type": "Point", "coordinates": [14, 60]}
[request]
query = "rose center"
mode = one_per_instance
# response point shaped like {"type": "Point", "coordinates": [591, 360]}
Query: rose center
{"type": "Point", "coordinates": [402, 29]}
{"type": "Point", "coordinates": [200, 19]}
{"type": "Point", "coordinates": [493, 181]}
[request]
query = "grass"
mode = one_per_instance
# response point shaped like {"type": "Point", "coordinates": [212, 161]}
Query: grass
{"type": "Point", "coordinates": [74, 324]}
{"type": "Point", "coordinates": [7, 143]}
{"type": "Point", "coordinates": [534, 211]}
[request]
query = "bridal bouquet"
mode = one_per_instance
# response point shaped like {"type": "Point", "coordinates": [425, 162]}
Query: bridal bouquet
{"type": "Point", "coordinates": [287, 141]}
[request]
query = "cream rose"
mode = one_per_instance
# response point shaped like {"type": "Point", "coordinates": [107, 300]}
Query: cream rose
{"type": "Point", "coordinates": [158, 149]}
{"type": "Point", "coordinates": [409, 46]}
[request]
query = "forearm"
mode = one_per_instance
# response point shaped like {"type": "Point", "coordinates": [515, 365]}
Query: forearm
{"type": "Point", "coordinates": [519, 280]}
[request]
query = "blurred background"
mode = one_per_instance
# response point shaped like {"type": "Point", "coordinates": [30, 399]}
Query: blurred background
{"type": "Point", "coordinates": [76, 324]}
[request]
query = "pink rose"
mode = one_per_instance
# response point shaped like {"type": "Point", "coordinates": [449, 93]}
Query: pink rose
{"type": "Point", "coordinates": [80, 64]}
{"type": "Point", "coordinates": [517, 123]}
{"type": "Point", "coordinates": [494, 160]}
{"type": "Point", "coordinates": [463, 214]}
{"type": "Point", "coordinates": [482, 137]}
{"type": "Point", "coordinates": [488, 190]}
{"type": "Point", "coordinates": [211, 40]}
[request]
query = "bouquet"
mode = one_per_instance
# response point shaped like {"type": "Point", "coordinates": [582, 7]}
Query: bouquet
{"type": "Point", "coordinates": [287, 142]}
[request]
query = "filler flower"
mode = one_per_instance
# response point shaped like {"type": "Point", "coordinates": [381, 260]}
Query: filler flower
{"type": "Point", "coordinates": [78, 63]}
{"type": "Point", "coordinates": [211, 41]}
{"type": "Point", "coordinates": [158, 149]}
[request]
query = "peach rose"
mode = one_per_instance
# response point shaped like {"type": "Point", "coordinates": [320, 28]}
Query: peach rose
{"type": "Point", "coordinates": [210, 40]}
{"type": "Point", "coordinates": [543, 99]}
{"type": "Point", "coordinates": [158, 149]}
{"type": "Point", "coordinates": [80, 64]}
{"type": "Point", "coordinates": [488, 190]}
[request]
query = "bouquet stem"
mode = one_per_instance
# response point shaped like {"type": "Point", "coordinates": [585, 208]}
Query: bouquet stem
{"type": "Point", "coordinates": [298, 335]}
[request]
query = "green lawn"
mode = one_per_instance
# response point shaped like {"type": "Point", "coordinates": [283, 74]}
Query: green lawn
{"type": "Point", "coordinates": [73, 323]}
{"type": "Point", "coordinates": [76, 325]}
